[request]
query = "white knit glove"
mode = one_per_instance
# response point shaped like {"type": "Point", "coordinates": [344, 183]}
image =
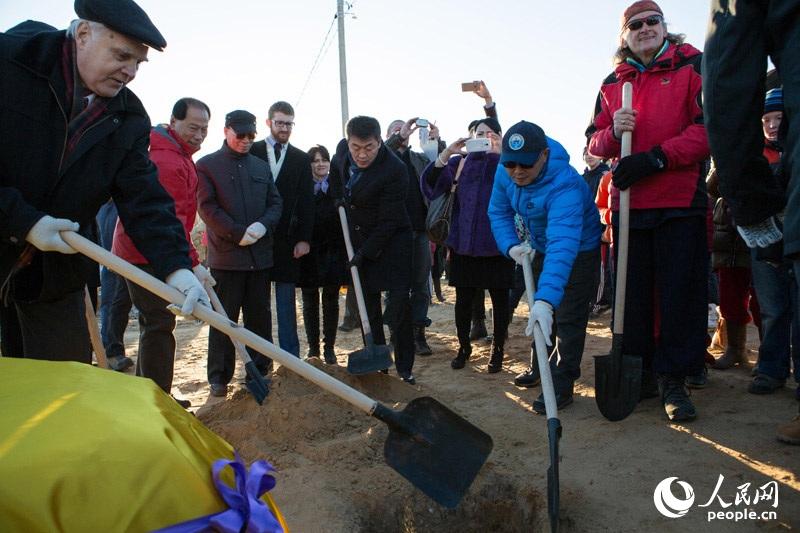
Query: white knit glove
{"type": "Point", "coordinates": [521, 252]}
{"type": "Point", "coordinates": [762, 234]}
{"type": "Point", "coordinates": [254, 231]}
{"type": "Point", "coordinates": [541, 312]}
{"type": "Point", "coordinates": [45, 235]}
{"type": "Point", "coordinates": [186, 282]}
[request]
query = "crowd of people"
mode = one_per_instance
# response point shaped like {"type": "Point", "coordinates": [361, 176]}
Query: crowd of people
{"type": "Point", "coordinates": [271, 214]}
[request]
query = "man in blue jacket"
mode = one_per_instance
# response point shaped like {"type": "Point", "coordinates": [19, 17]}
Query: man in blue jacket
{"type": "Point", "coordinates": [534, 179]}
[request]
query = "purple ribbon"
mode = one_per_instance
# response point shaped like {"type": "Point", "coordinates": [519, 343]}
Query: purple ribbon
{"type": "Point", "coordinates": [247, 512]}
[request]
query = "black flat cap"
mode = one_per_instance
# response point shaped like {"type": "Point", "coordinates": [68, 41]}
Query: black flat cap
{"type": "Point", "coordinates": [123, 16]}
{"type": "Point", "coordinates": [241, 121]}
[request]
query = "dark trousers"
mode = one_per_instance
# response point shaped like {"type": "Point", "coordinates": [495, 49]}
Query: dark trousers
{"type": "Point", "coordinates": [55, 330]}
{"type": "Point", "coordinates": [515, 293]}
{"type": "Point", "coordinates": [248, 292]}
{"type": "Point", "coordinates": [156, 358]}
{"type": "Point", "coordinates": [398, 318]}
{"type": "Point", "coordinates": [10, 334]}
{"type": "Point", "coordinates": [478, 305]}
{"type": "Point", "coordinates": [666, 300]}
{"type": "Point", "coordinates": [350, 317]}
{"type": "Point", "coordinates": [571, 318]}
{"type": "Point", "coordinates": [330, 314]}
{"type": "Point", "coordinates": [465, 307]}
{"type": "Point", "coordinates": [115, 302]}
{"type": "Point", "coordinates": [420, 279]}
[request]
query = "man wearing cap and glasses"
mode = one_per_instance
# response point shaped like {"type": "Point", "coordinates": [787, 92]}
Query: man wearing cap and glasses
{"type": "Point", "coordinates": [535, 181]}
{"type": "Point", "coordinates": [240, 205]}
{"type": "Point", "coordinates": [73, 136]}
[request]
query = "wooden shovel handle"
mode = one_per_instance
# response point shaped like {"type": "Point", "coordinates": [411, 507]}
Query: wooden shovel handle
{"type": "Point", "coordinates": [362, 307]}
{"type": "Point", "coordinates": [621, 245]}
{"type": "Point", "coordinates": [94, 331]}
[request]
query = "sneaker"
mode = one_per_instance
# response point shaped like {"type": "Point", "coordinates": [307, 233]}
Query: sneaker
{"type": "Point", "coordinates": [120, 363]}
{"type": "Point", "coordinates": [562, 400]}
{"type": "Point", "coordinates": [219, 390]}
{"type": "Point", "coordinates": [529, 378]}
{"type": "Point", "coordinates": [764, 384]}
{"type": "Point", "coordinates": [699, 380]}
{"type": "Point", "coordinates": [675, 399]}
{"type": "Point", "coordinates": [790, 432]}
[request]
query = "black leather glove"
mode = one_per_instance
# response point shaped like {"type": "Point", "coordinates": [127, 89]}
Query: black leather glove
{"type": "Point", "coordinates": [356, 261]}
{"type": "Point", "coordinates": [634, 167]}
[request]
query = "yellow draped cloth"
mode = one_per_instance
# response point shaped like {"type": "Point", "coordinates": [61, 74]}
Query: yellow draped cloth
{"type": "Point", "coordinates": [85, 449]}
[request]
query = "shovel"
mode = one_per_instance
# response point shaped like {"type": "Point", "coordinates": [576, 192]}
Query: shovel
{"type": "Point", "coordinates": [550, 405]}
{"type": "Point", "coordinates": [94, 331]}
{"type": "Point", "coordinates": [373, 357]}
{"type": "Point", "coordinates": [618, 377]}
{"type": "Point", "coordinates": [255, 382]}
{"type": "Point", "coordinates": [434, 448]}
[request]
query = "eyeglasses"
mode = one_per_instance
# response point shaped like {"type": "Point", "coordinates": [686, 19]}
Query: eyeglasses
{"type": "Point", "coordinates": [652, 20]}
{"type": "Point", "coordinates": [282, 124]}
{"type": "Point", "coordinates": [511, 165]}
{"type": "Point", "coordinates": [241, 136]}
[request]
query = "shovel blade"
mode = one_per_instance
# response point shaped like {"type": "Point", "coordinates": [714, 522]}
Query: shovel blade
{"type": "Point", "coordinates": [371, 358]}
{"type": "Point", "coordinates": [617, 382]}
{"type": "Point", "coordinates": [438, 451]}
{"type": "Point", "coordinates": [255, 382]}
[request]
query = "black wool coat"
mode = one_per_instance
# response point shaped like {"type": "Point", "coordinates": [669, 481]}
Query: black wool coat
{"type": "Point", "coordinates": [377, 219]}
{"type": "Point", "coordinates": [110, 160]}
{"type": "Point", "coordinates": [296, 186]}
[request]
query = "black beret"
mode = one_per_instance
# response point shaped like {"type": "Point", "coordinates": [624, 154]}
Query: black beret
{"type": "Point", "coordinates": [123, 16]}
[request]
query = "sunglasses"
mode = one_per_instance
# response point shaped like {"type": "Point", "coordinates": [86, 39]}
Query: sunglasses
{"type": "Point", "coordinates": [241, 136]}
{"type": "Point", "coordinates": [511, 165]}
{"type": "Point", "coordinates": [652, 20]}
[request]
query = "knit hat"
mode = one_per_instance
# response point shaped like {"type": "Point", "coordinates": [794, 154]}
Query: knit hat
{"type": "Point", "coordinates": [639, 7]}
{"type": "Point", "coordinates": [774, 100]}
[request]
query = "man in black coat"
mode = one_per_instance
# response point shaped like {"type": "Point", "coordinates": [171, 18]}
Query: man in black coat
{"type": "Point", "coordinates": [376, 182]}
{"type": "Point", "coordinates": [240, 205]}
{"type": "Point", "coordinates": [73, 136]}
{"type": "Point", "coordinates": [291, 169]}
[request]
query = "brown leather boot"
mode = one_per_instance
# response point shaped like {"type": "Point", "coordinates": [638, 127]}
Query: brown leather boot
{"type": "Point", "coordinates": [735, 350]}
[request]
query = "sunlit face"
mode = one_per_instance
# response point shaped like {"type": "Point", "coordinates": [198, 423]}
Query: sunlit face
{"type": "Point", "coordinates": [525, 176]}
{"type": "Point", "coordinates": [772, 122]}
{"type": "Point", "coordinates": [107, 60]}
{"type": "Point", "coordinates": [320, 166]}
{"type": "Point", "coordinates": [590, 160]}
{"type": "Point", "coordinates": [193, 128]}
{"type": "Point", "coordinates": [363, 151]}
{"type": "Point", "coordinates": [485, 131]}
{"type": "Point", "coordinates": [280, 126]}
{"type": "Point", "coordinates": [239, 142]}
{"type": "Point", "coordinates": [647, 40]}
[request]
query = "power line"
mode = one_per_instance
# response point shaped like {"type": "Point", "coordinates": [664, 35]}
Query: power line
{"type": "Point", "coordinates": [322, 50]}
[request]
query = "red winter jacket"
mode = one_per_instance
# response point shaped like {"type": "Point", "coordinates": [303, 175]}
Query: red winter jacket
{"type": "Point", "coordinates": [667, 97]}
{"type": "Point", "coordinates": [177, 174]}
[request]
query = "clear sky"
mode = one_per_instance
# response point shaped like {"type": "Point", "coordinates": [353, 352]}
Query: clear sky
{"type": "Point", "coordinates": [542, 60]}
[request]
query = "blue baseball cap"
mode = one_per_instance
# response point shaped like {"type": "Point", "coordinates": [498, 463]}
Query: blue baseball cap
{"type": "Point", "coordinates": [523, 143]}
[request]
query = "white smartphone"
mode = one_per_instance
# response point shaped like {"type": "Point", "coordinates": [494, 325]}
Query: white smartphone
{"type": "Point", "coordinates": [478, 145]}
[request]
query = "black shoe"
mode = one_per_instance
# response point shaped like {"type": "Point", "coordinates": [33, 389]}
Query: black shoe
{"type": "Point", "coordinates": [420, 344]}
{"type": "Point", "coordinates": [496, 360]}
{"type": "Point", "coordinates": [675, 399]}
{"type": "Point", "coordinates": [409, 378]}
{"type": "Point", "coordinates": [330, 355]}
{"type": "Point", "coordinates": [348, 326]}
{"type": "Point", "coordinates": [219, 390]}
{"type": "Point", "coordinates": [460, 360]}
{"type": "Point", "coordinates": [528, 379]}
{"type": "Point", "coordinates": [183, 403]}
{"type": "Point", "coordinates": [563, 399]}
{"type": "Point", "coordinates": [120, 363]}
{"type": "Point", "coordinates": [478, 330]}
{"type": "Point", "coordinates": [699, 380]}
{"type": "Point", "coordinates": [313, 351]}
{"type": "Point", "coordinates": [764, 384]}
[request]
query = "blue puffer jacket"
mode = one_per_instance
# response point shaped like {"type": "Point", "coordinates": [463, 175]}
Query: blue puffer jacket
{"type": "Point", "coordinates": [559, 212]}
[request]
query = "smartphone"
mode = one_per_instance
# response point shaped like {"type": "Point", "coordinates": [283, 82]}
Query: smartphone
{"type": "Point", "coordinates": [469, 86]}
{"type": "Point", "coordinates": [422, 122]}
{"type": "Point", "coordinates": [478, 145]}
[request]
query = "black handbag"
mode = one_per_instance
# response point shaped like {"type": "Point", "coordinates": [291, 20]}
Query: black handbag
{"type": "Point", "coordinates": [440, 210]}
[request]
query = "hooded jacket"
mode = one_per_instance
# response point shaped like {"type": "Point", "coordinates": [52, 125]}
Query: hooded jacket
{"type": "Point", "coordinates": [178, 176]}
{"type": "Point", "coordinates": [558, 210]}
{"type": "Point", "coordinates": [667, 96]}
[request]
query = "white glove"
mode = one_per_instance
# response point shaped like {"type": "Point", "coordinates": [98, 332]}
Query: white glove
{"type": "Point", "coordinates": [541, 312]}
{"type": "Point", "coordinates": [186, 282]}
{"type": "Point", "coordinates": [254, 231]}
{"type": "Point", "coordinates": [45, 235]}
{"type": "Point", "coordinates": [204, 275]}
{"type": "Point", "coordinates": [762, 234]}
{"type": "Point", "coordinates": [521, 252]}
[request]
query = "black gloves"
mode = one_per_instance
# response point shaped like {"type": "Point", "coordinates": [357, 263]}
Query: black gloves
{"type": "Point", "coordinates": [634, 167]}
{"type": "Point", "coordinates": [356, 260]}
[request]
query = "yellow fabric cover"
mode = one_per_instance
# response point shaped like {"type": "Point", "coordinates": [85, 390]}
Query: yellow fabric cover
{"type": "Point", "coordinates": [86, 449]}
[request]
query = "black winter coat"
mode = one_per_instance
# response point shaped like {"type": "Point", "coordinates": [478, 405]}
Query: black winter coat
{"type": "Point", "coordinates": [110, 160]}
{"type": "Point", "coordinates": [235, 190]}
{"type": "Point", "coordinates": [296, 186]}
{"type": "Point", "coordinates": [326, 264]}
{"type": "Point", "coordinates": [377, 218]}
{"type": "Point", "coordinates": [415, 163]}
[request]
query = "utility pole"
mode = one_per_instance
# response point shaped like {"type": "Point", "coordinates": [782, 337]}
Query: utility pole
{"type": "Point", "coordinates": [342, 65]}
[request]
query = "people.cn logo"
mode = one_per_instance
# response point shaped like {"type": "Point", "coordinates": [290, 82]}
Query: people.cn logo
{"type": "Point", "coordinates": [666, 502]}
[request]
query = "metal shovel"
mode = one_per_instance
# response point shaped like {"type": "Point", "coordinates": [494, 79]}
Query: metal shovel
{"type": "Point", "coordinates": [550, 405]}
{"type": "Point", "coordinates": [618, 377]}
{"type": "Point", "coordinates": [373, 357]}
{"type": "Point", "coordinates": [428, 444]}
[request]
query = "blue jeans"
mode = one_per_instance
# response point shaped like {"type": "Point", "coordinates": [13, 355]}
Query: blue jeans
{"type": "Point", "coordinates": [420, 279]}
{"type": "Point", "coordinates": [287, 317]}
{"type": "Point", "coordinates": [115, 302]}
{"type": "Point", "coordinates": [776, 287]}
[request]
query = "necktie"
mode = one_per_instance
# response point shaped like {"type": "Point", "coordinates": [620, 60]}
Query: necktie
{"type": "Point", "coordinates": [278, 147]}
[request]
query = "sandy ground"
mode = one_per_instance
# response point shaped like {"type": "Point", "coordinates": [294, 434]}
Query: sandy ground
{"type": "Point", "coordinates": [332, 476]}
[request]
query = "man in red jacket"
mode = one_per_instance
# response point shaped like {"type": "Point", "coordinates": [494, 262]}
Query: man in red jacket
{"type": "Point", "coordinates": [171, 150]}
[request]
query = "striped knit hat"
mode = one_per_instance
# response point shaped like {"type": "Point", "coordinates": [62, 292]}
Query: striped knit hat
{"type": "Point", "coordinates": [774, 100]}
